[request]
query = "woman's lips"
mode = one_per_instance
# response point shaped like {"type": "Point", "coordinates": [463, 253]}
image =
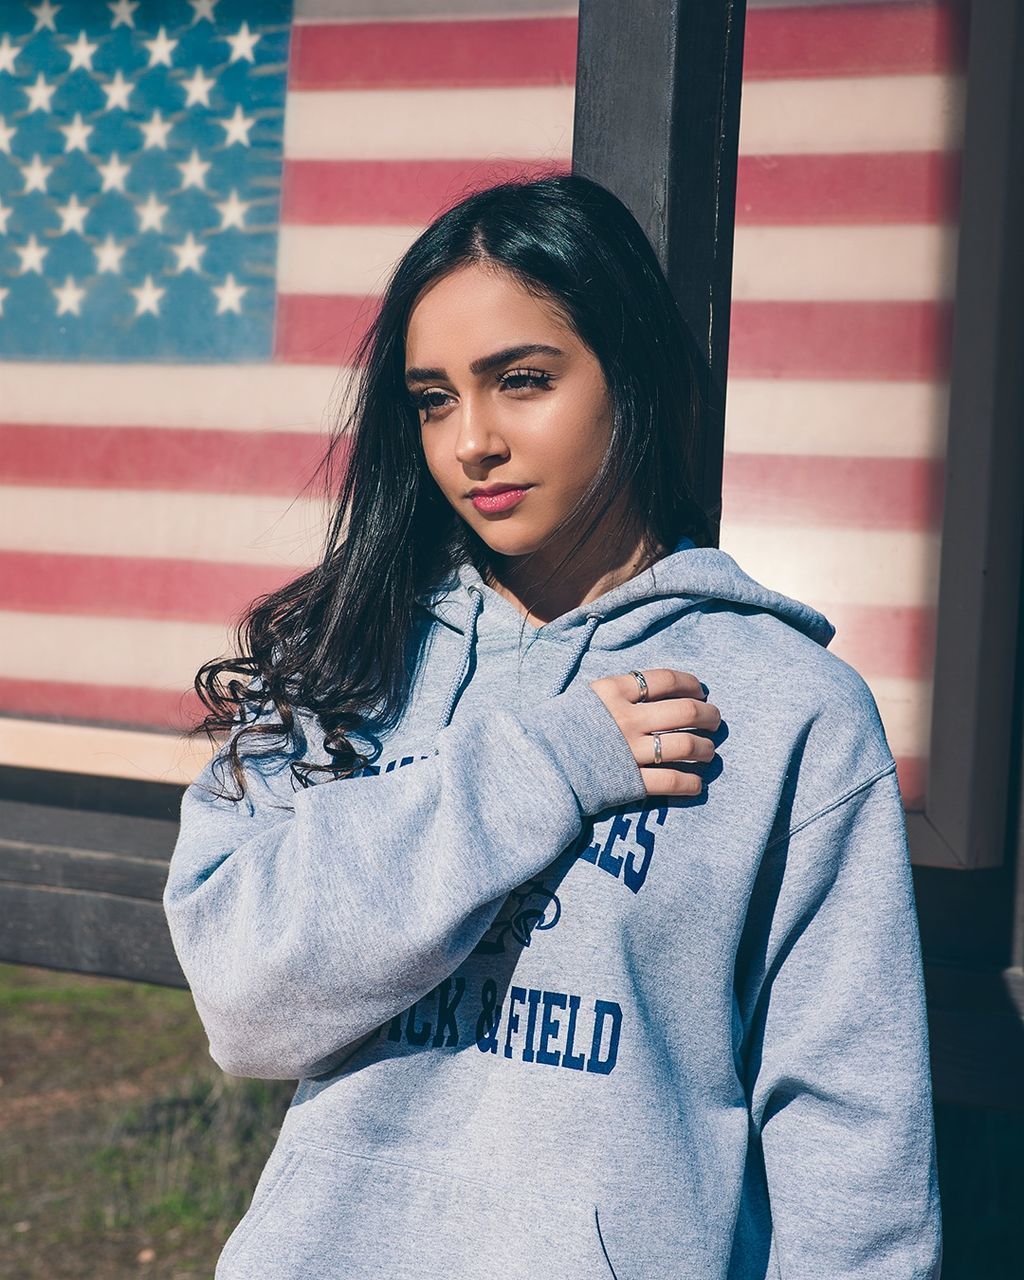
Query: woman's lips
{"type": "Point", "coordinates": [488, 502]}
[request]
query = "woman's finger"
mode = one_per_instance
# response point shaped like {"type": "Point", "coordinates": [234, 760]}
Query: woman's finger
{"type": "Point", "coordinates": [677, 713]}
{"type": "Point", "coordinates": [677, 747]}
{"type": "Point", "coordinates": [662, 682]}
{"type": "Point", "coordinates": [671, 782]}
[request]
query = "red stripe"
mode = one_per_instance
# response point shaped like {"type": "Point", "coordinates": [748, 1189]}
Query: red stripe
{"type": "Point", "coordinates": [855, 40]}
{"type": "Point", "coordinates": [912, 773]}
{"type": "Point", "coordinates": [106, 706]}
{"type": "Point", "coordinates": [884, 640]}
{"type": "Point", "coordinates": [417, 54]}
{"type": "Point", "coordinates": [857, 493]}
{"type": "Point", "coordinates": [320, 328]}
{"type": "Point", "coordinates": [877, 640]}
{"type": "Point", "coordinates": [160, 709]}
{"type": "Point", "coordinates": [133, 586]}
{"type": "Point", "coordinates": [897, 187]}
{"type": "Point", "coordinates": [863, 340]}
{"type": "Point", "coordinates": [371, 192]}
{"type": "Point", "coordinates": [176, 459]}
{"type": "Point", "coordinates": [786, 190]}
{"type": "Point", "coordinates": [825, 40]}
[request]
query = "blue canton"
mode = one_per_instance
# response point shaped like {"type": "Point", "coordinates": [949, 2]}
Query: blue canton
{"type": "Point", "coordinates": [141, 149]}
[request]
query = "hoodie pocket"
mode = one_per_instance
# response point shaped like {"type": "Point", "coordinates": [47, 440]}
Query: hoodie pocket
{"type": "Point", "coordinates": [324, 1212]}
{"type": "Point", "coordinates": [279, 1168]}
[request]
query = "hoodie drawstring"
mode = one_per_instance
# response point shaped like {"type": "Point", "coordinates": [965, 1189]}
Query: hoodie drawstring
{"type": "Point", "coordinates": [593, 620]}
{"type": "Point", "coordinates": [476, 604]}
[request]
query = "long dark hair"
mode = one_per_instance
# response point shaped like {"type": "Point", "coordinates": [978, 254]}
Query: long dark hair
{"type": "Point", "coordinates": [339, 640]}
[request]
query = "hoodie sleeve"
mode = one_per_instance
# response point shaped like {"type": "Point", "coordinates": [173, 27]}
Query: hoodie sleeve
{"type": "Point", "coordinates": [301, 932]}
{"type": "Point", "coordinates": [836, 1044]}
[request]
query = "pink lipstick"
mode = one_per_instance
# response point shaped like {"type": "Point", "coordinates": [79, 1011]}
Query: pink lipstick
{"type": "Point", "coordinates": [503, 501]}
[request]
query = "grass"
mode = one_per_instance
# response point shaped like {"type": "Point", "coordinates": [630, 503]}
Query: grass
{"type": "Point", "coordinates": [124, 1150]}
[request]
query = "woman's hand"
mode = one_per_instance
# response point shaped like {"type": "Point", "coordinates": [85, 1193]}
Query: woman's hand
{"type": "Point", "coordinates": [675, 705]}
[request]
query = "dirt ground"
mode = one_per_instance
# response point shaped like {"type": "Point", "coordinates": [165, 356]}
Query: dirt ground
{"type": "Point", "coordinates": [124, 1150]}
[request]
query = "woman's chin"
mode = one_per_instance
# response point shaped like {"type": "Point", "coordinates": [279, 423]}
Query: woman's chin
{"type": "Point", "coordinates": [504, 539]}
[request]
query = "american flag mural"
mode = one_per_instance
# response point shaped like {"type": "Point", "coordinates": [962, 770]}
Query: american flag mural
{"type": "Point", "coordinates": [851, 127]}
{"type": "Point", "coordinates": [198, 204]}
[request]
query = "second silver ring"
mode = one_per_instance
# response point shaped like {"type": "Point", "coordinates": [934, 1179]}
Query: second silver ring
{"type": "Point", "coordinates": [657, 747]}
{"type": "Point", "coordinates": [638, 676]}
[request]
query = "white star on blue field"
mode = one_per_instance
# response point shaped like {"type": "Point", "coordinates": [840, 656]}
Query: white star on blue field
{"type": "Point", "coordinates": [141, 151]}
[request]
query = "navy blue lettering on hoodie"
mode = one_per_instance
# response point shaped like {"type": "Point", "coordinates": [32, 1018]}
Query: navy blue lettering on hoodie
{"type": "Point", "coordinates": [546, 1024]}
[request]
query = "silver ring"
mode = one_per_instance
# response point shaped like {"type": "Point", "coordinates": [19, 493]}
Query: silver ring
{"type": "Point", "coordinates": [642, 684]}
{"type": "Point", "coordinates": [657, 747]}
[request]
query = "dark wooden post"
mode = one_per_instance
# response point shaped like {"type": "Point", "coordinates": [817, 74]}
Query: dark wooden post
{"type": "Point", "coordinates": [657, 121]}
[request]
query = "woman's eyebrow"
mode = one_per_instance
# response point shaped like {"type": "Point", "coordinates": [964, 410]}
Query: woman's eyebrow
{"type": "Point", "coordinates": [486, 363]}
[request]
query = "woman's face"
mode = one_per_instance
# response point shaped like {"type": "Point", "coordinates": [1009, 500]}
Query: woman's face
{"type": "Point", "coordinates": [494, 412]}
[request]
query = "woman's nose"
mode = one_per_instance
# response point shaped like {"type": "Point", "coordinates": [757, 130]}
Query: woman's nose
{"type": "Point", "coordinates": [477, 438]}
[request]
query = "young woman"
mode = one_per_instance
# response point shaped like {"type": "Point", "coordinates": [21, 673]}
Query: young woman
{"type": "Point", "coordinates": [567, 991]}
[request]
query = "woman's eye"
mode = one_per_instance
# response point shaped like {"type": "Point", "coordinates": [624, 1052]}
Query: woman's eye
{"type": "Point", "coordinates": [513, 380]}
{"type": "Point", "coordinates": [425, 403]}
{"type": "Point", "coordinates": [516, 379]}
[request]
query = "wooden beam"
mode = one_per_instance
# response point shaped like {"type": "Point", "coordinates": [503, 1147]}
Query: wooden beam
{"type": "Point", "coordinates": [87, 932]}
{"type": "Point", "coordinates": [657, 116]}
{"type": "Point", "coordinates": [964, 823]}
{"type": "Point", "coordinates": [81, 889]}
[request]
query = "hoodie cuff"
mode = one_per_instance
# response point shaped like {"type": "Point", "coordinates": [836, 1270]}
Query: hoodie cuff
{"type": "Point", "coordinates": [585, 739]}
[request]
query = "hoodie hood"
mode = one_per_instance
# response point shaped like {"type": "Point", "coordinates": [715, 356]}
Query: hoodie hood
{"type": "Point", "coordinates": [618, 619]}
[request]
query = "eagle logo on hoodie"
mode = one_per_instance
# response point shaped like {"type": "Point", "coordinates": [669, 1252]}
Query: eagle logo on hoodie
{"type": "Point", "coordinates": [531, 906]}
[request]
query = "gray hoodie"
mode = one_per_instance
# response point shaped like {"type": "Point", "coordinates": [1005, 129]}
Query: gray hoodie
{"type": "Point", "coordinates": [546, 1025]}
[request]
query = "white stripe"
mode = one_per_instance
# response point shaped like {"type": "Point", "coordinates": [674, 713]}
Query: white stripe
{"type": "Point", "coordinates": [836, 418]}
{"type": "Point", "coordinates": [136, 652]}
{"type": "Point", "coordinates": [905, 707]}
{"type": "Point", "coordinates": [150, 654]}
{"type": "Point", "coordinates": [840, 264]}
{"type": "Point", "coordinates": [876, 264]}
{"type": "Point", "coordinates": [348, 259]}
{"type": "Point", "coordinates": [224, 528]}
{"type": "Point", "coordinates": [329, 11]}
{"type": "Point", "coordinates": [824, 566]}
{"type": "Point", "coordinates": [835, 565]}
{"type": "Point", "coordinates": [763, 415]}
{"type": "Point", "coordinates": [230, 397]}
{"type": "Point", "coordinates": [778, 117]}
{"type": "Point", "coordinates": [108, 753]}
{"type": "Point", "coordinates": [418, 124]}
{"type": "Point", "coordinates": [852, 113]}
{"type": "Point", "coordinates": [817, 4]}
